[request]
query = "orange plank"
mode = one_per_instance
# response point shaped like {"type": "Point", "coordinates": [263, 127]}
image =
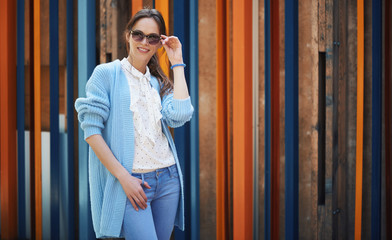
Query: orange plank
{"type": "Point", "coordinates": [8, 119]}
{"type": "Point", "coordinates": [360, 99]}
{"type": "Point", "coordinates": [229, 120]}
{"type": "Point", "coordinates": [222, 220]}
{"type": "Point", "coordinates": [136, 6]}
{"type": "Point", "coordinates": [242, 120]}
{"type": "Point", "coordinates": [163, 7]}
{"type": "Point", "coordinates": [37, 119]}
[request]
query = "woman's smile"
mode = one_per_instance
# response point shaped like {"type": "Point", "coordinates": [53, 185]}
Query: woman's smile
{"type": "Point", "coordinates": [143, 50]}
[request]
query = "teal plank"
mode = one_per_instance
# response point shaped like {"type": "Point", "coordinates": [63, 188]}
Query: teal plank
{"type": "Point", "coordinates": [86, 64]}
{"type": "Point", "coordinates": [187, 137]}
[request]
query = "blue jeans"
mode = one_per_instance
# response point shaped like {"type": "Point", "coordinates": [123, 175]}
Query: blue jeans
{"type": "Point", "coordinates": [157, 220]}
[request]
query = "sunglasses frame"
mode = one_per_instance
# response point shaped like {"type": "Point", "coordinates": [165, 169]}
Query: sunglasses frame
{"type": "Point", "coordinates": [149, 37]}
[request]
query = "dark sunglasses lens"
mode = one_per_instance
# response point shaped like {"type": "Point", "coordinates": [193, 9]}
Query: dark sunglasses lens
{"type": "Point", "coordinates": [137, 36]}
{"type": "Point", "coordinates": [153, 39]}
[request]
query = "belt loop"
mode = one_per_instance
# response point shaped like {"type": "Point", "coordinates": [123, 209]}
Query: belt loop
{"type": "Point", "coordinates": [142, 179]}
{"type": "Point", "coordinates": [171, 170]}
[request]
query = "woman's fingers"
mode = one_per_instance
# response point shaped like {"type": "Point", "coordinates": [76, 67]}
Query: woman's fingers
{"type": "Point", "coordinates": [139, 201]}
{"type": "Point", "coordinates": [172, 41]}
{"type": "Point", "coordinates": [142, 200]}
{"type": "Point", "coordinates": [146, 185]}
{"type": "Point", "coordinates": [133, 203]}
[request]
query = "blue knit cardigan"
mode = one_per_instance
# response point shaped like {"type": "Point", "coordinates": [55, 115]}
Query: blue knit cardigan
{"type": "Point", "coordinates": [105, 111]}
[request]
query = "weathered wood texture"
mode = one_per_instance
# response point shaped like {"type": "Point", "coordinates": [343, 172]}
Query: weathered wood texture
{"type": "Point", "coordinates": [113, 18]}
{"type": "Point", "coordinates": [351, 112]}
{"type": "Point", "coordinates": [339, 164]}
{"type": "Point", "coordinates": [308, 113]}
{"type": "Point", "coordinates": [367, 132]}
{"type": "Point", "coordinates": [261, 134]}
{"type": "Point", "coordinates": [324, 218]}
{"type": "Point", "coordinates": [207, 118]}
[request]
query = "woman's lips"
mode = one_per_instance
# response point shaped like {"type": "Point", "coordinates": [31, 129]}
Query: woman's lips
{"type": "Point", "coordinates": [143, 50]}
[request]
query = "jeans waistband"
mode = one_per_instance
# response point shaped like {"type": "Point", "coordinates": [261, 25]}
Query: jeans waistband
{"type": "Point", "coordinates": [171, 169]}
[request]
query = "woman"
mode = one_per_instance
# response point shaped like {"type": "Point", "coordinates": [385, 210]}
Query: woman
{"type": "Point", "coordinates": [134, 174]}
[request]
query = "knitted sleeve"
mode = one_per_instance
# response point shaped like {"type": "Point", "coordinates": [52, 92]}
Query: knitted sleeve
{"type": "Point", "coordinates": [176, 112]}
{"type": "Point", "coordinates": [93, 110]}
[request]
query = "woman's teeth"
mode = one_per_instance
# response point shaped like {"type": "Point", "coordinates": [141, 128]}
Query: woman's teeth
{"type": "Point", "coordinates": [143, 49]}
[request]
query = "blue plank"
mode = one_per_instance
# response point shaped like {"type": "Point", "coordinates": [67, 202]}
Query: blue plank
{"type": "Point", "coordinates": [267, 127]}
{"type": "Point", "coordinates": [376, 118]}
{"type": "Point", "coordinates": [291, 119]}
{"type": "Point", "coordinates": [182, 134]}
{"type": "Point", "coordinates": [194, 124]}
{"type": "Point", "coordinates": [54, 120]}
{"type": "Point", "coordinates": [185, 28]}
{"type": "Point", "coordinates": [70, 198]}
{"type": "Point", "coordinates": [86, 64]}
{"type": "Point", "coordinates": [20, 75]}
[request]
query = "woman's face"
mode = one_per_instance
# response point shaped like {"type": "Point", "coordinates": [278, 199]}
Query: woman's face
{"type": "Point", "coordinates": [143, 51]}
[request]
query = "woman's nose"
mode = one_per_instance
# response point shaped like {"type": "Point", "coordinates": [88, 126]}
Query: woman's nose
{"type": "Point", "coordinates": [144, 41]}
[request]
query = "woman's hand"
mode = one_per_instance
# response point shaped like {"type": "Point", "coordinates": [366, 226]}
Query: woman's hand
{"type": "Point", "coordinates": [134, 191]}
{"type": "Point", "coordinates": [173, 49]}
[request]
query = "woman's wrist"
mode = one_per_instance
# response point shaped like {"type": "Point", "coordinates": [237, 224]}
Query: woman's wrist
{"type": "Point", "coordinates": [122, 175]}
{"type": "Point", "coordinates": [176, 61]}
{"type": "Point", "coordinates": [183, 65]}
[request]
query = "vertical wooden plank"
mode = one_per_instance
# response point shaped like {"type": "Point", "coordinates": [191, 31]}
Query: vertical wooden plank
{"type": "Point", "coordinates": [185, 28]}
{"type": "Point", "coordinates": [229, 107]}
{"type": "Point", "coordinates": [194, 124]}
{"type": "Point", "coordinates": [104, 55]}
{"type": "Point", "coordinates": [255, 110]}
{"type": "Point", "coordinates": [8, 120]}
{"type": "Point", "coordinates": [242, 120]}
{"type": "Point", "coordinates": [376, 118]}
{"type": "Point", "coordinates": [261, 120]}
{"type": "Point", "coordinates": [21, 118]}
{"type": "Point", "coordinates": [31, 119]}
{"type": "Point", "coordinates": [387, 117]}
{"type": "Point", "coordinates": [221, 129]}
{"type": "Point", "coordinates": [267, 125]}
{"type": "Point", "coordinates": [136, 6]}
{"type": "Point", "coordinates": [291, 119]}
{"type": "Point", "coordinates": [367, 130]}
{"type": "Point", "coordinates": [339, 165]}
{"type": "Point", "coordinates": [325, 213]}
{"type": "Point", "coordinates": [54, 120]}
{"type": "Point", "coordinates": [208, 118]}
{"type": "Point", "coordinates": [182, 134]}
{"type": "Point", "coordinates": [37, 119]}
{"type": "Point", "coordinates": [86, 64]}
{"type": "Point", "coordinates": [70, 198]}
{"type": "Point", "coordinates": [308, 90]}
{"type": "Point", "coordinates": [322, 25]}
{"type": "Point", "coordinates": [360, 112]}
{"type": "Point", "coordinates": [275, 120]}
{"type": "Point", "coordinates": [163, 7]}
{"type": "Point", "coordinates": [193, 59]}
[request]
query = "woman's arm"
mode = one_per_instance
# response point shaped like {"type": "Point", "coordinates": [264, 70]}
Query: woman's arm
{"type": "Point", "coordinates": [131, 185]}
{"type": "Point", "coordinates": [173, 49]}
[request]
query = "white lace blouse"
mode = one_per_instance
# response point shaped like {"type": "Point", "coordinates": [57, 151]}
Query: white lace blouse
{"type": "Point", "coordinates": [152, 149]}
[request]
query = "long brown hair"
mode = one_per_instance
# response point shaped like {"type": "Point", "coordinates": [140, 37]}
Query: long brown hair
{"type": "Point", "coordinates": [155, 69]}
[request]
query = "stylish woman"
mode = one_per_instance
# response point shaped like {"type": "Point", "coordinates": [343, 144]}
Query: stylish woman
{"type": "Point", "coordinates": [135, 179]}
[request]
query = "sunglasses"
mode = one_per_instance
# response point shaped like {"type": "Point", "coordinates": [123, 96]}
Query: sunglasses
{"type": "Point", "coordinates": [152, 39]}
